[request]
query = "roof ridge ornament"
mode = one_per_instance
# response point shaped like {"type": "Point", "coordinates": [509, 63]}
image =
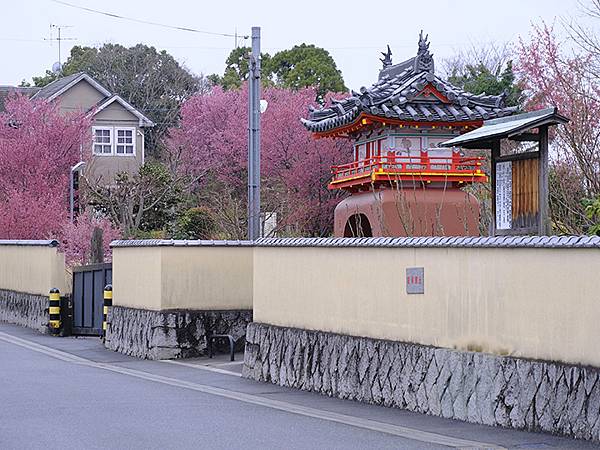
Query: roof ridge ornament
{"type": "Point", "coordinates": [424, 59]}
{"type": "Point", "coordinates": [387, 58]}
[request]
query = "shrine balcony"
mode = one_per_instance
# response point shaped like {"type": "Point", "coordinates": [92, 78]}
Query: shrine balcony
{"type": "Point", "coordinates": [379, 170]}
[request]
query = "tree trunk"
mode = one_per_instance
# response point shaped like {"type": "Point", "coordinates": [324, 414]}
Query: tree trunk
{"type": "Point", "coordinates": [97, 248]}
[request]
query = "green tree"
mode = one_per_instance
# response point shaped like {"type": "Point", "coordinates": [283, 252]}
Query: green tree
{"type": "Point", "coordinates": [153, 81]}
{"type": "Point", "coordinates": [144, 202]}
{"type": "Point", "coordinates": [195, 223]}
{"type": "Point", "coordinates": [479, 78]}
{"type": "Point", "coordinates": [236, 69]}
{"type": "Point", "coordinates": [592, 212]}
{"type": "Point", "coordinates": [299, 67]}
{"type": "Point", "coordinates": [303, 66]}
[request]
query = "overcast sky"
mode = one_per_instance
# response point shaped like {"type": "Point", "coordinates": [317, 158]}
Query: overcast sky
{"type": "Point", "coordinates": [353, 31]}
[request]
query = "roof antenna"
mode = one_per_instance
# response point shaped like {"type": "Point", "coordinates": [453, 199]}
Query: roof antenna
{"type": "Point", "coordinates": [59, 39]}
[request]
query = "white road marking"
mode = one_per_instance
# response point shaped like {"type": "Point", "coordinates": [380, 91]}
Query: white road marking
{"type": "Point", "coordinates": [367, 424]}
{"type": "Point", "coordinates": [202, 367]}
{"type": "Point", "coordinates": [63, 356]}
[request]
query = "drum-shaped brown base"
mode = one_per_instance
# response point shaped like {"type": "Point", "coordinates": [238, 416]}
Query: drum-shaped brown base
{"type": "Point", "coordinates": [408, 212]}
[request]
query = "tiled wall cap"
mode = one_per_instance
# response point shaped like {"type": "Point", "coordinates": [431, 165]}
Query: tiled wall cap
{"type": "Point", "coordinates": [399, 242]}
{"type": "Point", "coordinates": [30, 242]}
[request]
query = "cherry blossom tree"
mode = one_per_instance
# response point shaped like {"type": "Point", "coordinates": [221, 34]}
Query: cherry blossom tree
{"type": "Point", "coordinates": [76, 237]}
{"type": "Point", "coordinates": [38, 146]}
{"type": "Point", "coordinates": [295, 168]}
{"type": "Point", "coordinates": [553, 75]}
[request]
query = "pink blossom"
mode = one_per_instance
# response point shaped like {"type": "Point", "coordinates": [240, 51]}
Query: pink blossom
{"type": "Point", "coordinates": [295, 167]}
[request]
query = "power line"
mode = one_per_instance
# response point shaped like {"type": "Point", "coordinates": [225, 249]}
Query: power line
{"type": "Point", "coordinates": [147, 22]}
{"type": "Point", "coordinates": [40, 40]}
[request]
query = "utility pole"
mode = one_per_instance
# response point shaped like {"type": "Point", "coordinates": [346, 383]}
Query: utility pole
{"type": "Point", "coordinates": [254, 138]}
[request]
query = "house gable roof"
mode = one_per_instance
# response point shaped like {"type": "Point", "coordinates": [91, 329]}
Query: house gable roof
{"type": "Point", "coordinates": [143, 120]}
{"type": "Point", "coordinates": [58, 87]}
{"type": "Point", "coordinates": [409, 91]}
{"type": "Point", "coordinates": [61, 85]}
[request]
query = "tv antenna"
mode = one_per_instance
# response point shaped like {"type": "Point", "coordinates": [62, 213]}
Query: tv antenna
{"type": "Point", "coordinates": [59, 38]}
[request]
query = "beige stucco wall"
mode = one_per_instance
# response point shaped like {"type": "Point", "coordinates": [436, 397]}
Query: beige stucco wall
{"type": "Point", "coordinates": [137, 277]}
{"type": "Point", "coordinates": [33, 269]}
{"type": "Point", "coordinates": [198, 277]}
{"type": "Point", "coordinates": [537, 303]}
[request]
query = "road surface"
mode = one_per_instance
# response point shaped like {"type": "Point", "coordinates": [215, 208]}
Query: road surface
{"type": "Point", "coordinates": [71, 393]}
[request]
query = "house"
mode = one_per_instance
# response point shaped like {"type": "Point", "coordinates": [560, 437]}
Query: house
{"type": "Point", "coordinates": [117, 126]}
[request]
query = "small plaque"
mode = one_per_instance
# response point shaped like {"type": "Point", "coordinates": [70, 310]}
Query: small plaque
{"type": "Point", "coordinates": [415, 280]}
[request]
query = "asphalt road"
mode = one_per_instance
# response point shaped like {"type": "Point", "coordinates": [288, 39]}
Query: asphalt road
{"type": "Point", "coordinates": [71, 393]}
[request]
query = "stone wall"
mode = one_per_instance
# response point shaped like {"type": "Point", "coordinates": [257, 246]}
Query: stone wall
{"type": "Point", "coordinates": [27, 310]}
{"type": "Point", "coordinates": [171, 334]}
{"type": "Point", "coordinates": [474, 387]}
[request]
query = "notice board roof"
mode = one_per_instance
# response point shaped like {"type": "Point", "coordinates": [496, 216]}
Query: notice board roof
{"type": "Point", "coordinates": [506, 127]}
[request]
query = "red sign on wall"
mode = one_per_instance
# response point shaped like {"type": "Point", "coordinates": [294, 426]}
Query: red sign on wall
{"type": "Point", "coordinates": [415, 280]}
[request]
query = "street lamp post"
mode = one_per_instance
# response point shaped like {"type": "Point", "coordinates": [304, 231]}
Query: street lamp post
{"type": "Point", "coordinates": [76, 168]}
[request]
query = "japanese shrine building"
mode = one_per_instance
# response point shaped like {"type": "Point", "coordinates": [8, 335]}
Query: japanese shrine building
{"type": "Point", "coordinates": [401, 182]}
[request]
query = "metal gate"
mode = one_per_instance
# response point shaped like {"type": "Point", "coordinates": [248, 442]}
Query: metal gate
{"type": "Point", "coordinates": [88, 297]}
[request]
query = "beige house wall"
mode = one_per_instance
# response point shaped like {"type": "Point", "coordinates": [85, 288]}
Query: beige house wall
{"type": "Point", "coordinates": [117, 114]}
{"type": "Point", "coordinates": [198, 277]}
{"type": "Point", "coordinates": [33, 269]}
{"type": "Point", "coordinates": [105, 167]}
{"type": "Point", "coordinates": [79, 98]}
{"type": "Point", "coordinates": [527, 302]}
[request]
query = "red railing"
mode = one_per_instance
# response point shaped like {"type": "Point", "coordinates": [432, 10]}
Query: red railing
{"type": "Point", "coordinates": [455, 167]}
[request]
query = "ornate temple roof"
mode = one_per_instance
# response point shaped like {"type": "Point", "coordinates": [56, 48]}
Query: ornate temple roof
{"type": "Point", "coordinates": [409, 91]}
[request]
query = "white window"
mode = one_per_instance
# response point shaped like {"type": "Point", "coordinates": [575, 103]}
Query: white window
{"type": "Point", "coordinates": [114, 141]}
{"type": "Point", "coordinates": [102, 140]}
{"type": "Point", "coordinates": [125, 144]}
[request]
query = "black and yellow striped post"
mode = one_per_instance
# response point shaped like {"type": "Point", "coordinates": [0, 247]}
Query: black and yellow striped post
{"type": "Point", "coordinates": [54, 311]}
{"type": "Point", "coordinates": [107, 303]}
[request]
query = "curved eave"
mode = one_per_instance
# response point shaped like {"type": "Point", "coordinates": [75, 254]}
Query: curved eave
{"type": "Point", "coordinates": [364, 120]}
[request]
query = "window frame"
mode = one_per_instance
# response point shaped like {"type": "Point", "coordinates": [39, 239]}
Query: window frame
{"type": "Point", "coordinates": [133, 141]}
{"type": "Point", "coordinates": [111, 140]}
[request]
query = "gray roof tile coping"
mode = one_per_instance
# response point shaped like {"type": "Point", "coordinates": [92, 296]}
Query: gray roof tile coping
{"type": "Point", "coordinates": [398, 242]}
{"type": "Point", "coordinates": [439, 242]}
{"type": "Point", "coordinates": [178, 243]}
{"type": "Point", "coordinates": [30, 242]}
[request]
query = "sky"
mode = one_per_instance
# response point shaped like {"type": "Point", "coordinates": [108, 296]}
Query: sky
{"type": "Point", "coordinates": [354, 32]}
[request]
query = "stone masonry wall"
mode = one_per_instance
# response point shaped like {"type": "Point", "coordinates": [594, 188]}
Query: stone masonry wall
{"type": "Point", "coordinates": [171, 334]}
{"type": "Point", "coordinates": [27, 310]}
{"type": "Point", "coordinates": [474, 387]}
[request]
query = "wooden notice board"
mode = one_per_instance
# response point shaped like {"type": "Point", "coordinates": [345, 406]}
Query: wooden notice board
{"type": "Point", "coordinates": [519, 178]}
{"type": "Point", "coordinates": [517, 193]}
